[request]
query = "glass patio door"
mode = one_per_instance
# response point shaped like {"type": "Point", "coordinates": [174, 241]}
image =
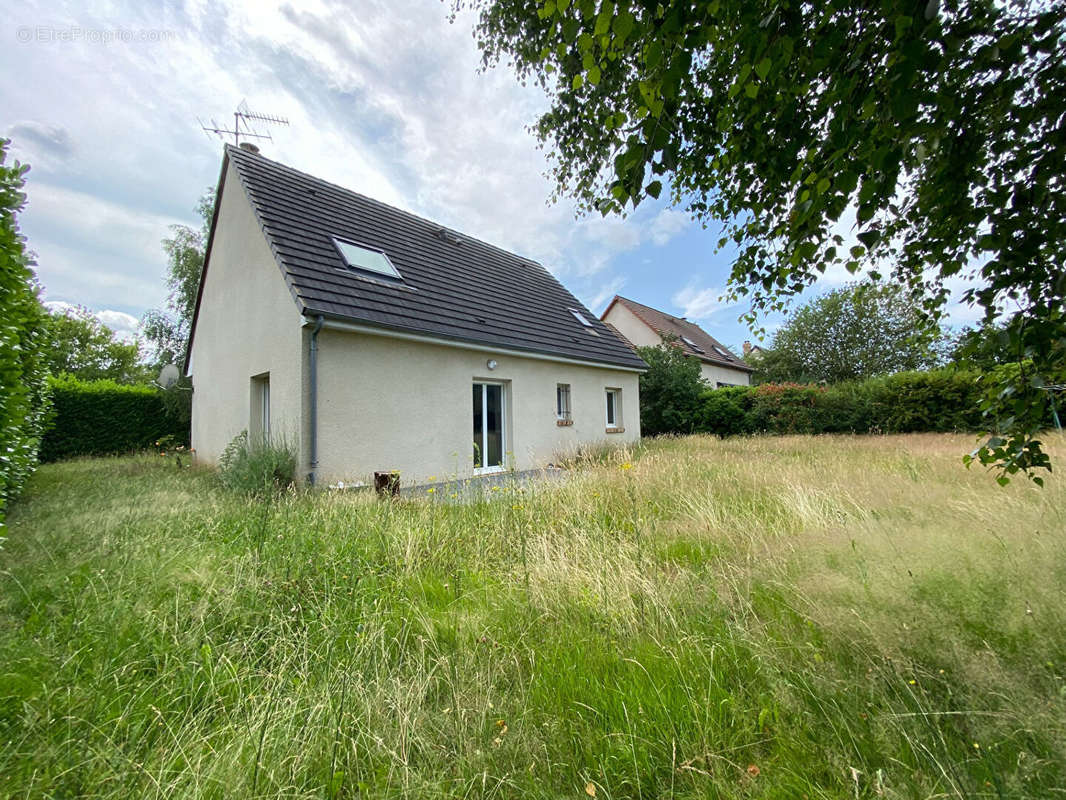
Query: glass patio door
{"type": "Point", "coordinates": [488, 426]}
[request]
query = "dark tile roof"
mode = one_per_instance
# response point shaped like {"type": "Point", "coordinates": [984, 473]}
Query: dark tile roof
{"type": "Point", "coordinates": [707, 348]}
{"type": "Point", "coordinates": [468, 291]}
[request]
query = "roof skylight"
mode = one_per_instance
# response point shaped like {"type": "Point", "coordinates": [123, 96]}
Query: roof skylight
{"type": "Point", "coordinates": [692, 344]}
{"type": "Point", "coordinates": [722, 351]}
{"type": "Point", "coordinates": [580, 318]}
{"type": "Point", "coordinates": [366, 259]}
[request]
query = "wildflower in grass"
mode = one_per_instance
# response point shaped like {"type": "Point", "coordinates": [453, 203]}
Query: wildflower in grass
{"type": "Point", "coordinates": [590, 789]}
{"type": "Point", "coordinates": [431, 490]}
{"type": "Point", "coordinates": [753, 770]}
{"type": "Point", "coordinates": [495, 488]}
{"type": "Point", "coordinates": [626, 467]}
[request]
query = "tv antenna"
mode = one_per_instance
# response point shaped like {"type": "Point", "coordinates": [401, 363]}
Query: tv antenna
{"type": "Point", "coordinates": [244, 124]}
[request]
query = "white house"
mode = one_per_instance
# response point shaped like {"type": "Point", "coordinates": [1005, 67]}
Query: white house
{"type": "Point", "coordinates": [644, 326]}
{"type": "Point", "coordinates": [374, 340]}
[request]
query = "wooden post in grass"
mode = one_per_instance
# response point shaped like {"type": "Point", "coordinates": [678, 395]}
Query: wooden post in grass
{"type": "Point", "coordinates": [387, 484]}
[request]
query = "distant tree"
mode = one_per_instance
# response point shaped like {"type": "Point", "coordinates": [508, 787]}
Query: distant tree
{"type": "Point", "coordinates": [858, 331]}
{"type": "Point", "coordinates": [778, 366]}
{"type": "Point", "coordinates": [24, 400]}
{"type": "Point", "coordinates": [167, 330]}
{"type": "Point", "coordinates": [985, 347]}
{"type": "Point", "coordinates": [670, 390]}
{"type": "Point", "coordinates": [936, 126]}
{"type": "Point", "coordinates": [79, 344]}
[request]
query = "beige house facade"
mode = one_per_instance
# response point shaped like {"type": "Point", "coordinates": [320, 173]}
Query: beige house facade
{"type": "Point", "coordinates": [644, 326]}
{"type": "Point", "coordinates": [363, 371]}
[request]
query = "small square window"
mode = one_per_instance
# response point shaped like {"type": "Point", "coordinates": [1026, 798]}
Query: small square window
{"type": "Point", "coordinates": [366, 259]}
{"type": "Point", "coordinates": [562, 401]}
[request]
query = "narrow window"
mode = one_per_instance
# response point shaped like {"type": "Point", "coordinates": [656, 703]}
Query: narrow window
{"type": "Point", "coordinates": [562, 402]}
{"type": "Point", "coordinates": [259, 424]}
{"type": "Point", "coordinates": [614, 407]}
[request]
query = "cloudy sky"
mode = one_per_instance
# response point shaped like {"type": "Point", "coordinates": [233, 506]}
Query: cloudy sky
{"type": "Point", "coordinates": [383, 96]}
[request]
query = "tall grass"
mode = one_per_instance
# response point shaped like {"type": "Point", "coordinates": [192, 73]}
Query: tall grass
{"type": "Point", "coordinates": [821, 617]}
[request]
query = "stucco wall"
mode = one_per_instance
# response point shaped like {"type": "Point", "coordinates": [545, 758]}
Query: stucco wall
{"type": "Point", "coordinates": [713, 374]}
{"type": "Point", "coordinates": [248, 324]}
{"type": "Point", "coordinates": [632, 327]}
{"type": "Point", "coordinates": [637, 331]}
{"type": "Point", "coordinates": [386, 403]}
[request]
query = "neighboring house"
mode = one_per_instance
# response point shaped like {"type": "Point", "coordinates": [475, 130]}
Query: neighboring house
{"type": "Point", "coordinates": [374, 340]}
{"type": "Point", "coordinates": [753, 351]}
{"type": "Point", "coordinates": [644, 326]}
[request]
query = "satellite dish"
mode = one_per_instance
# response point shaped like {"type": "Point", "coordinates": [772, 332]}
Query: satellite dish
{"type": "Point", "coordinates": [168, 376]}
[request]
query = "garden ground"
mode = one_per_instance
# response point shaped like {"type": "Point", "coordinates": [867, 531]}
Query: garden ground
{"type": "Point", "coordinates": [771, 617]}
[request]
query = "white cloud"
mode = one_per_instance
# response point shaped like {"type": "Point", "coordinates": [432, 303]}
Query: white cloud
{"type": "Point", "coordinates": [667, 224]}
{"type": "Point", "coordinates": [699, 304]}
{"type": "Point", "coordinates": [125, 326]}
{"type": "Point", "coordinates": [383, 97]}
{"type": "Point", "coordinates": [604, 293]}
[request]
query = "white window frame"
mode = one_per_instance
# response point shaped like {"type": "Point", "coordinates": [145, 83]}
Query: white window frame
{"type": "Point", "coordinates": [340, 244]}
{"type": "Point", "coordinates": [580, 317]}
{"type": "Point", "coordinates": [560, 413]}
{"type": "Point", "coordinates": [614, 406]}
{"type": "Point", "coordinates": [485, 425]}
{"type": "Point", "coordinates": [260, 426]}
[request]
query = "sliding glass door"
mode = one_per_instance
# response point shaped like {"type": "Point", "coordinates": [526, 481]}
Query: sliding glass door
{"type": "Point", "coordinates": [488, 426]}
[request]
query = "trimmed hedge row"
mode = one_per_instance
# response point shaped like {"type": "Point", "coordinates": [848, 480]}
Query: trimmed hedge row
{"type": "Point", "coordinates": [104, 417]}
{"type": "Point", "coordinates": [942, 400]}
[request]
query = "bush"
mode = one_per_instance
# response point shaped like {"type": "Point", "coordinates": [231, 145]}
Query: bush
{"type": "Point", "coordinates": [104, 417]}
{"type": "Point", "coordinates": [909, 402]}
{"type": "Point", "coordinates": [257, 466]}
{"type": "Point", "coordinates": [670, 390]}
{"type": "Point", "coordinates": [23, 371]}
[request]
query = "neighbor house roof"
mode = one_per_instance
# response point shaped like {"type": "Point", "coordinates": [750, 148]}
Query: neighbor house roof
{"type": "Point", "coordinates": [453, 287]}
{"type": "Point", "coordinates": [690, 336]}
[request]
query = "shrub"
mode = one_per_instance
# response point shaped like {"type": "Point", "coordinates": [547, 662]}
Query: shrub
{"type": "Point", "coordinates": [724, 411]}
{"type": "Point", "coordinates": [104, 417]}
{"type": "Point", "coordinates": [909, 402]}
{"type": "Point", "coordinates": [670, 390]}
{"type": "Point", "coordinates": [257, 466]}
{"type": "Point", "coordinates": [23, 374]}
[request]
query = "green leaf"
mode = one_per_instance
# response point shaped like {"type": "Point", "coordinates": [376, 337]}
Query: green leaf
{"type": "Point", "coordinates": [653, 54]}
{"type": "Point", "coordinates": [603, 21]}
{"type": "Point", "coordinates": [577, 82]}
{"type": "Point", "coordinates": [594, 76]}
{"type": "Point", "coordinates": [654, 189]}
{"type": "Point", "coordinates": [762, 69]}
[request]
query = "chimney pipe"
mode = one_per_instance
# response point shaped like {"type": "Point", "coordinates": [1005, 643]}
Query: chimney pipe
{"type": "Point", "coordinates": [251, 148]}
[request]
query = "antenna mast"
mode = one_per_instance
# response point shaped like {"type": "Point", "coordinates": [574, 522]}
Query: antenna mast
{"type": "Point", "coordinates": [244, 124]}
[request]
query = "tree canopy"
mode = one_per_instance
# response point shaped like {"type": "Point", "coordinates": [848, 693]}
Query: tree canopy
{"type": "Point", "coordinates": [79, 344]}
{"type": "Point", "coordinates": [923, 141]}
{"type": "Point", "coordinates": [167, 330]}
{"type": "Point", "coordinates": [858, 331]}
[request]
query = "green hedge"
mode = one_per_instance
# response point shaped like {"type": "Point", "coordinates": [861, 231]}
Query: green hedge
{"type": "Point", "coordinates": [909, 402]}
{"type": "Point", "coordinates": [103, 417]}
{"type": "Point", "coordinates": [23, 362]}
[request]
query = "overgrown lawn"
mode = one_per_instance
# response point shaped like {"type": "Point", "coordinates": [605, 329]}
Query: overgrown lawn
{"type": "Point", "coordinates": [777, 617]}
